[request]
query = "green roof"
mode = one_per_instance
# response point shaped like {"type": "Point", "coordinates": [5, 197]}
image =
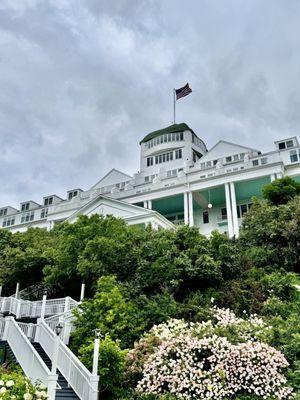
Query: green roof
{"type": "Point", "coordinates": [170, 129]}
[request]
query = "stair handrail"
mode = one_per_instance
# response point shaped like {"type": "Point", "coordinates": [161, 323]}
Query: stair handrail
{"type": "Point", "coordinates": [28, 358]}
{"type": "Point", "coordinates": [81, 380]}
{"type": "Point", "coordinates": [66, 319]}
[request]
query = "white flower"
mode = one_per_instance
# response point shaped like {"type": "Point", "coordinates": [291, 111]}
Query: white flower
{"type": "Point", "coordinates": [3, 389]}
{"type": "Point", "coordinates": [27, 396]}
{"type": "Point", "coordinates": [10, 383]}
{"type": "Point", "coordinates": [1, 383]}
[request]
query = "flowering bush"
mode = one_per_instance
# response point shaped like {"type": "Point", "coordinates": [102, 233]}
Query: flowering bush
{"type": "Point", "coordinates": [13, 385]}
{"type": "Point", "coordinates": [216, 359]}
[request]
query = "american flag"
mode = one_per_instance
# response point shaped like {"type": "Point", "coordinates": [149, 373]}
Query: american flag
{"type": "Point", "coordinates": [182, 92]}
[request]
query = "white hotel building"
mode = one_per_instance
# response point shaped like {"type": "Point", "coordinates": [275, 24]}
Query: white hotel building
{"type": "Point", "coordinates": [179, 181]}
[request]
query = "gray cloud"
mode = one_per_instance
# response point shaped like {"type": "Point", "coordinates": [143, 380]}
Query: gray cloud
{"type": "Point", "coordinates": [82, 81]}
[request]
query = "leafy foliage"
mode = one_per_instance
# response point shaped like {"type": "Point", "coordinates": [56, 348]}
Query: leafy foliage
{"type": "Point", "coordinates": [281, 190]}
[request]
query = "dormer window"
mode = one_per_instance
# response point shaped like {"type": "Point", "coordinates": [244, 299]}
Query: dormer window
{"type": "Point", "coordinates": [25, 206]}
{"type": "Point", "coordinates": [228, 159]}
{"type": "Point", "coordinates": [48, 201]}
{"type": "Point", "coordinates": [287, 144]}
{"type": "Point", "coordinates": [3, 212]}
{"type": "Point", "coordinates": [72, 194]}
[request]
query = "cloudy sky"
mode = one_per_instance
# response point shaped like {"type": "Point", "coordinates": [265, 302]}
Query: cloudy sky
{"type": "Point", "coordinates": [82, 81]}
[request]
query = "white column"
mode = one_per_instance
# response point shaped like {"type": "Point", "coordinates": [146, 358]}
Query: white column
{"type": "Point", "coordinates": [96, 356]}
{"type": "Point", "coordinates": [229, 213]}
{"type": "Point", "coordinates": [234, 211]}
{"type": "Point", "coordinates": [186, 208]}
{"type": "Point", "coordinates": [43, 310]}
{"type": "Point", "coordinates": [150, 204]}
{"type": "Point", "coordinates": [279, 175]}
{"type": "Point", "coordinates": [145, 204]}
{"type": "Point", "coordinates": [82, 291]}
{"type": "Point", "coordinates": [67, 304]}
{"type": "Point", "coordinates": [272, 176]}
{"type": "Point", "coordinates": [17, 290]}
{"type": "Point", "coordinates": [191, 209]}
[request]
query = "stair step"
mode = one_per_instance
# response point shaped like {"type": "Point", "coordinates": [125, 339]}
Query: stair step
{"type": "Point", "coordinates": [65, 393]}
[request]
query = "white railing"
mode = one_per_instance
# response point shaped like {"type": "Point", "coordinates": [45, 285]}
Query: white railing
{"type": "Point", "coordinates": [66, 319]}
{"type": "Point", "coordinates": [28, 358]}
{"type": "Point", "coordinates": [33, 309]}
{"type": "Point", "coordinates": [84, 384]}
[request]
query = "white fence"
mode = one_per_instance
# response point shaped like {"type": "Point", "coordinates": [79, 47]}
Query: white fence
{"type": "Point", "coordinates": [84, 384]}
{"type": "Point", "coordinates": [33, 309]}
{"type": "Point", "coordinates": [28, 358]}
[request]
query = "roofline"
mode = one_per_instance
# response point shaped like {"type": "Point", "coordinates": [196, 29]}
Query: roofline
{"type": "Point", "coordinates": [49, 195]}
{"type": "Point", "coordinates": [232, 143]}
{"type": "Point", "coordinates": [113, 169]}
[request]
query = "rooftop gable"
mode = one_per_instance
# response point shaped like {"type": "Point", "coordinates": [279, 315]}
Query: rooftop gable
{"type": "Point", "coordinates": [113, 177]}
{"type": "Point", "coordinates": [224, 149]}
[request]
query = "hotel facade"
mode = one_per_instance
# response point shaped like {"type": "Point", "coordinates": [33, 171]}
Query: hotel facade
{"type": "Point", "coordinates": [180, 181]}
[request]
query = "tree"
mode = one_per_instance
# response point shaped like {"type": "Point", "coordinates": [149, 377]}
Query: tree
{"type": "Point", "coordinates": [111, 312]}
{"type": "Point", "coordinates": [24, 256]}
{"type": "Point", "coordinates": [281, 190]}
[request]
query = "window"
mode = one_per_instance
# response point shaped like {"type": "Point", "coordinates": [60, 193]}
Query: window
{"type": "Point", "coordinates": [224, 213]}
{"type": "Point", "coordinates": [171, 173]}
{"type": "Point", "coordinates": [48, 201]}
{"type": "Point", "coordinates": [255, 163]}
{"type": "Point", "coordinates": [236, 157]}
{"type": "Point", "coordinates": [165, 157]}
{"type": "Point", "coordinates": [26, 217]}
{"type": "Point", "coordinates": [289, 143]}
{"type": "Point", "coordinates": [3, 212]}
{"type": "Point", "coordinates": [178, 154]}
{"type": "Point", "coordinates": [44, 213]}
{"type": "Point", "coordinates": [242, 209]}
{"type": "Point", "coordinates": [8, 221]}
{"type": "Point", "coordinates": [72, 194]}
{"type": "Point", "coordinates": [205, 217]}
{"type": "Point", "coordinates": [281, 146]}
{"type": "Point", "coordinates": [263, 161]}
{"type": "Point", "coordinates": [293, 156]}
{"type": "Point", "coordinates": [25, 207]}
{"type": "Point", "coordinates": [149, 161]}
{"type": "Point", "coordinates": [228, 159]}
{"type": "Point", "coordinates": [215, 162]}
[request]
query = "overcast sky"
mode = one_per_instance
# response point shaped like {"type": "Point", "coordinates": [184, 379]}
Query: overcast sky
{"type": "Point", "coordinates": [82, 81]}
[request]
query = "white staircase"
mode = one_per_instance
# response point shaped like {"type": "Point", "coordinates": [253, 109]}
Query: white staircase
{"type": "Point", "coordinates": [20, 337]}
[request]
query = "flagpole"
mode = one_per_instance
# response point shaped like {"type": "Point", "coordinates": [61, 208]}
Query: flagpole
{"type": "Point", "coordinates": [174, 102]}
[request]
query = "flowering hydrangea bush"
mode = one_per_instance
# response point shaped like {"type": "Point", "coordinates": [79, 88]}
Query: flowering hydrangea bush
{"type": "Point", "coordinates": [220, 358]}
{"type": "Point", "coordinates": [14, 385]}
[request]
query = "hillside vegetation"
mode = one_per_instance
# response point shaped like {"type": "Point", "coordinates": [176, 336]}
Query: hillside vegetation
{"type": "Point", "coordinates": [199, 294]}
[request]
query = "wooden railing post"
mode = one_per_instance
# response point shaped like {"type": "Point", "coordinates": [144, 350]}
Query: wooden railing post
{"type": "Point", "coordinates": [52, 381]}
{"type": "Point", "coordinates": [43, 310]}
{"type": "Point", "coordinates": [67, 304]}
